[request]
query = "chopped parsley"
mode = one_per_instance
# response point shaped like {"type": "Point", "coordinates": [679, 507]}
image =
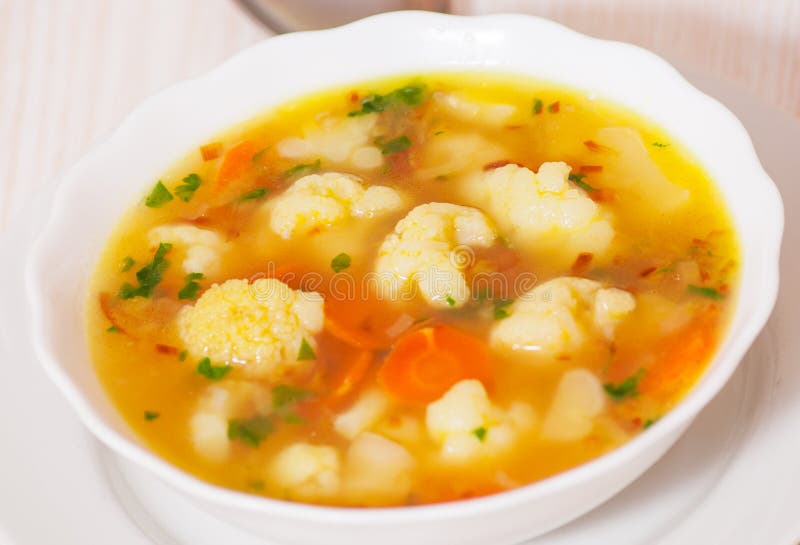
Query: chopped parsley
{"type": "Point", "coordinates": [302, 170]}
{"type": "Point", "coordinates": [186, 190]}
{"type": "Point", "coordinates": [437, 133]}
{"type": "Point", "coordinates": [500, 309]}
{"type": "Point", "coordinates": [625, 389]}
{"type": "Point", "coordinates": [577, 179]}
{"type": "Point", "coordinates": [253, 195]}
{"type": "Point", "coordinates": [250, 431]}
{"type": "Point", "coordinates": [705, 291]}
{"type": "Point", "coordinates": [127, 263]}
{"type": "Point", "coordinates": [306, 352]}
{"type": "Point", "coordinates": [257, 486]}
{"type": "Point", "coordinates": [395, 145]}
{"type": "Point", "coordinates": [183, 354]}
{"type": "Point", "coordinates": [293, 418]}
{"type": "Point", "coordinates": [148, 276]}
{"type": "Point", "coordinates": [284, 395]}
{"type": "Point", "coordinates": [649, 422]}
{"type": "Point", "coordinates": [450, 301]}
{"type": "Point", "coordinates": [340, 262]}
{"type": "Point", "coordinates": [212, 372]}
{"type": "Point", "coordinates": [151, 415]}
{"type": "Point", "coordinates": [660, 145]}
{"type": "Point", "coordinates": [158, 197]}
{"type": "Point", "coordinates": [113, 329]}
{"type": "Point", "coordinates": [410, 95]}
{"type": "Point", "coordinates": [189, 291]}
{"type": "Point", "coordinates": [480, 433]}
{"type": "Point", "coordinates": [537, 106]}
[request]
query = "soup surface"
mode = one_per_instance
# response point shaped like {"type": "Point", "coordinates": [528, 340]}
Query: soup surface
{"type": "Point", "coordinates": [412, 291]}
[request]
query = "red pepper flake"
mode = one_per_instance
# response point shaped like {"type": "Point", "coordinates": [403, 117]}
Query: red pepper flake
{"type": "Point", "coordinates": [209, 152]}
{"type": "Point", "coordinates": [582, 262]}
{"type": "Point", "coordinates": [564, 357]}
{"type": "Point", "coordinates": [723, 289]}
{"type": "Point", "coordinates": [591, 168]}
{"type": "Point", "coordinates": [501, 163]}
{"type": "Point", "coordinates": [701, 243]}
{"type": "Point", "coordinates": [166, 349]}
{"type": "Point", "coordinates": [704, 275]}
{"type": "Point", "coordinates": [514, 127]}
{"type": "Point", "coordinates": [353, 96]}
{"type": "Point", "coordinates": [591, 145]}
{"type": "Point", "coordinates": [602, 194]}
{"type": "Point", "coordinates": [554, 107]}
{"type": "Point", "coordinates": [648, 271]}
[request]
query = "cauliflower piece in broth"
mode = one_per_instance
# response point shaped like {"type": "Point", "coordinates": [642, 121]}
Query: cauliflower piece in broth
{"type": "Point", "coordinates": [203, 247]}
{"type": "Point", "coordinates": [260, 325]}
{"type": "Point", "coordinates": [466, 425]}
{"type": "Point", "coordinates": [377, 471]}
{"type": "Point", "coordinates": [542, 210]}
{"type": "Point", "coordinates": [322, 200]}
{"type": "Point", "coordinates": [307, 472]}
{"type": "Point", "coordinates": [420, 252]}
{"type": "Point", "coordinates": [558, 316]}
{"type": "Point", "coordinates": [579, 398]}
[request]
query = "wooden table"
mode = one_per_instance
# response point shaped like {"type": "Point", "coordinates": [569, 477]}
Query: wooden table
{"type": "Point", "coordinates": [71, 69]}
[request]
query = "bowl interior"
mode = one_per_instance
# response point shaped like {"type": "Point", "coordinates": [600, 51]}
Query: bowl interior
{"type": "Point", "coordinates": [166, 127]}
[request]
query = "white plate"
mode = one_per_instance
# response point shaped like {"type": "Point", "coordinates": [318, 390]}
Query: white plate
{"type": "Point", "coordinates": [733, 478]}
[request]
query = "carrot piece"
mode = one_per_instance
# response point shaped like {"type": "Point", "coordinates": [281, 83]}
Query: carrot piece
{"type": "Point", "coordinates": [679, 359]}
{"type": "Point", "coordinates": [209, 152]}
{"type": "Point", "coordinates": [237, 161]}
{"type": "Point", "coordinates": [344, 320]}
{"type": "Point", "coordinates": [425, 363]}
{"type": "Point", "coordinates": [350, 376]}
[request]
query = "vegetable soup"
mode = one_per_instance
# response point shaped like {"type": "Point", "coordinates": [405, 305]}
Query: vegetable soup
{"type": "Point", "coordinates": [413, 290]}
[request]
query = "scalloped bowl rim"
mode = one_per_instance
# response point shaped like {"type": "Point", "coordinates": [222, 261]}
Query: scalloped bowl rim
{"type": "Point", "coordinates": [719, 371]}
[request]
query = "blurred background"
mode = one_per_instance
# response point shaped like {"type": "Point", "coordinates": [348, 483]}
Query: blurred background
{"type": "Point", "coordinates": [71, 69]}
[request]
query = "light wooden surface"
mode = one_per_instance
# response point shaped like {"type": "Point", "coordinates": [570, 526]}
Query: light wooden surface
{"type": "Point", "coordinates": [71, 69]}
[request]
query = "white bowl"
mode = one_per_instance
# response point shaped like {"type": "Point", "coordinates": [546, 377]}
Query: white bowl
{"type": "Point", "coordinates": [94, 194]}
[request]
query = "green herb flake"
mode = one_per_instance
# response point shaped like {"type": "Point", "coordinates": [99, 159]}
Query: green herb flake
{"type": "Point", "coordinates": [480, 433]}
{"type": "Point", "coordinates": [340, 262]}
{"type": "Point", "coordinates": [302, 170]}
{"type": "Point", "coordinates": [306, 352]}
{"type": "Point", "coordinates": [649, 422]}
{"type": "Point", "coordinates": [625, 389]}
{"type": "Point", "coordinates": [437, 133]}
{"type": "Point", "coordinates": [253, 195]}
{"type": "Point", "coordinates": [537, 106]}
{"type": "Point", "coordinates": [212, 372]}
{"type": "Point", "coordinates": [151, 415]}
{"type": "Point", "coordinates": [578, 179]}
{"type": "Point", "coordinates": [158, 197]}
{"type": "Point", "coordinates": [501, 309]}
{"type": "Point", "coordinates": [148, 276]}
{"type": "Point", "coordinates": [410, 95]}
{"type": "Point", "coordinates": [256, 486]}
{"type": "Point", "coordinates": [127, 263]}
{"type": "Point", "coordinates": [293, 418]}
{"type": "Point", "coordinates": [190, 184]}
{"type": "Point", "coordinates": [183, 354]}
{"type": "Point", "coordinates": [250, 431]}
{"type": "Point", "coordinates": [284, 395]}
{"type": "Point", "coordinates": [660, 145]}
{"type": "Point", "coordinates": [705, 291]}
{"type": "Point", "coordinates": [450, 301]}
{"type": "Point", "coordinates": [396, 145]}
{"type": "Point", "coordinates": [258, 155]}
{"type": "Point", "coordinates": [113, 329]}
{"type": "Point", "coordinates": [191, 289]}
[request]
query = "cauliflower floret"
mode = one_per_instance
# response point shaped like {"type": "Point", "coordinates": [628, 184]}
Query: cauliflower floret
{"type": "Point", "coordinates": [423, 252]}
{"type": "Point", "coordinates": [307, 472]}
{"type": "Point", "coordinates": [542, 210]}
{"type": "Point", "coordinates": [340, 140]}
{"type": "Point", "coordinates": [362, 415]}
{"type": "Point", "coordinates": [217, 404]}
{"type": "Point", "coordinates": [465, 109]}
{"type": "Point", "coordinates": [377, 471]}
{"type": "Point", "coordinates": [261, 325]}
{"type": "Point", "coordinates": [579, 398]}
{"type": "Point", "coordinates": [321, 200]}
{"type": "Point", "coordinates": [467, 426]}
{"type": "Point", "coordinates": [558, 316]}
{"type": "Point", "coordinates": [202, 246]}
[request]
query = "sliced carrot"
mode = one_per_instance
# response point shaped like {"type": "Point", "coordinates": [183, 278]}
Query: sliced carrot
{"type": "Point", "coordinates": [425, 363]}
{"type": "Point", "coordinates": [681, 357]}
{"type": "Point", "coordinates": [237, 161]}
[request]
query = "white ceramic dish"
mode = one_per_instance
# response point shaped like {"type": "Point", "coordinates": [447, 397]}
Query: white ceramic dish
{"type": "Point", "coordinates": [95, 192]}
